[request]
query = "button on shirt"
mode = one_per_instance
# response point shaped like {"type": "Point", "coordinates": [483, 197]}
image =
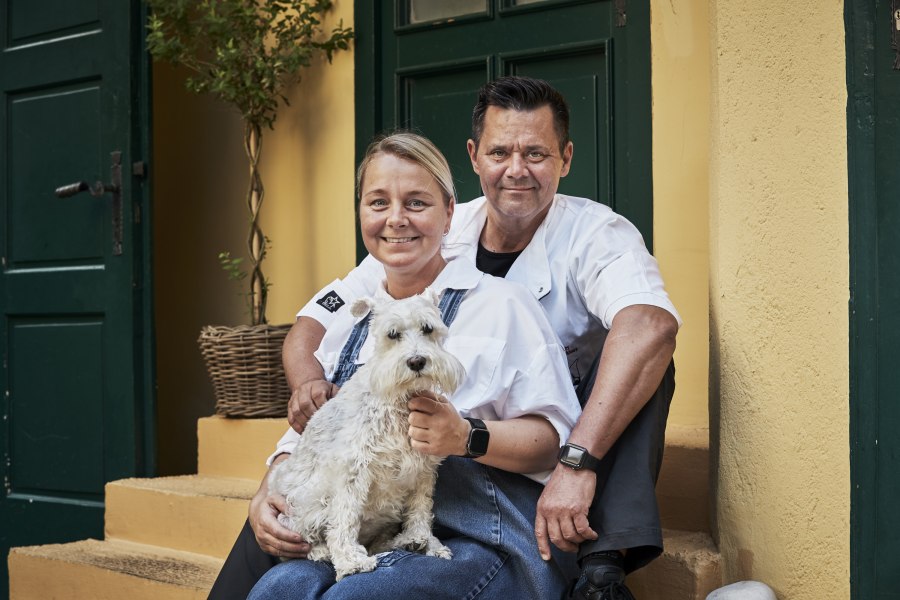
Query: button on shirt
{"type": "Point", "coordinates": [584, 264]}
{"type": "Point", "coordinates": [514, 362]}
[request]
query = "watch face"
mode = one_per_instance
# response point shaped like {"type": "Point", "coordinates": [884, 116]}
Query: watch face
{"type": "Point", "coordinates": [478, 441]}
{"type": "Point", "coordinates": [573, 457]}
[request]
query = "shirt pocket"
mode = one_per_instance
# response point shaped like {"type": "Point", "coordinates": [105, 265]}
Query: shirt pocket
{"type": "Point", "coordinates": [480, 357]}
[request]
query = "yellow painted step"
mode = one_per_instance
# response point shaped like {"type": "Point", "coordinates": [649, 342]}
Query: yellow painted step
{"type": "Point", "coordinates": [192, 513]}
{"type": "Point", "coordinates": [239, 448]}
{"type": "Point", "coordinates": [689, 569]}
{"type": "Point", "coordinates": [94, 570]}
{"type": "Point", "coordinates": [236, 447]}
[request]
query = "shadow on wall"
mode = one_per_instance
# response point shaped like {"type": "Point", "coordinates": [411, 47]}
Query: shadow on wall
{"type": "Point", "coordinates": [199, 179]}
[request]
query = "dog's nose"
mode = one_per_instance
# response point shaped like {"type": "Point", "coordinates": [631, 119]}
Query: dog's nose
{"type": "Point", "coordinates": [416, 363]}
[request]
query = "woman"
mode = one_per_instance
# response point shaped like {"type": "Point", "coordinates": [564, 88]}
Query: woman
{"type": "Point", "coordinates": [484, 507]}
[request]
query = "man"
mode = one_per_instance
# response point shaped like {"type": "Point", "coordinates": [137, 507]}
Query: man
{"type": "Point", "coordinates": [600, 288]}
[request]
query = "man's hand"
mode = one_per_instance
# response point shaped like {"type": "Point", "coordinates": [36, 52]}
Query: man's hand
{"type": "Point", "coordinates": [307, 399]}
{"type": "Point", "coordinates": [435, 427]}
{"type": "Point", "coordinates": [272, 536]}
{"type": "Point", "coordinates": [563, 508]}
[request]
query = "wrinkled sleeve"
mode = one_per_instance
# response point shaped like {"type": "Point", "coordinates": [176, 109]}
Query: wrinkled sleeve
{"type": "Point", "coordinates": [331, 299]}
{"type": "Point", "coordinates": [285, 445]}
{"type": "Point", "coordinates": [615, 270]}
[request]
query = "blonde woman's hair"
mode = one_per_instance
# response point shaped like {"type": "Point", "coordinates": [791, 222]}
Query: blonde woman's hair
{"type": "Point", "coordinates": [414, 148]}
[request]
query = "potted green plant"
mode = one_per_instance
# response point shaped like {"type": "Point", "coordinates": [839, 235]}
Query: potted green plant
{"type": "Point", "coordinates": [246, 53]}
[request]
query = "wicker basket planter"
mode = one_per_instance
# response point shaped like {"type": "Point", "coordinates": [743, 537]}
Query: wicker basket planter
{"type": "Point", "coordinates": [244, 364]}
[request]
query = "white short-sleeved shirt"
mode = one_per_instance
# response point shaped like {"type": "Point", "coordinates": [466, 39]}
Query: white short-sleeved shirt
{"type": "Point", "coordinates": [584, 264]}
{"type": "Point", "coordinates": [514, 362]}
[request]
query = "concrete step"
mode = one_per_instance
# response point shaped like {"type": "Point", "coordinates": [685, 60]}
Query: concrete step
{"type": "Point", "coordinates": [109, 571]}
{"type": "Point", "coordinates": [239, 448]}
{"type": "Point", "coordinates": [689, 569]}
{"type": "Point", "coordinates": [192, 513]}
{"type": "Point", "coordinates": [236, 447]}
{"type": "Point", "coordinates": [683, 486]}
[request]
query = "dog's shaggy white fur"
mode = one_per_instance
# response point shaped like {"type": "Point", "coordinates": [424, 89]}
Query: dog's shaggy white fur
{"type": "Point", "coordinates": [353, 484]}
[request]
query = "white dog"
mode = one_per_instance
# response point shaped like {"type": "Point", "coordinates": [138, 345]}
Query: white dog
{"type": "Point", "coordinates": [353, 484]}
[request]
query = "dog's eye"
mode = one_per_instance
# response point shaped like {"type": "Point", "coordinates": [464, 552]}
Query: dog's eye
{"type": "Point", "coordinates": [394, 334]}
{"type": "Point", "coordinates": [427, 328]}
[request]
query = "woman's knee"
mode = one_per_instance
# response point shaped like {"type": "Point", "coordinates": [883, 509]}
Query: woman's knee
{"type": "Point", "coordinates": [294, 580]}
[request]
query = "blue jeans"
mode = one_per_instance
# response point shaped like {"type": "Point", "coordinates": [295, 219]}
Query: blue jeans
{"type": "Point", "coordinates": [484, 515]}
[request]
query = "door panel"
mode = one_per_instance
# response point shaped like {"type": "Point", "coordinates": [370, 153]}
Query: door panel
{"type": "Point", "coordinates": [72, 112]}
{"type": "Point", "coordinates": [74, 326]}
{"type": "Point", "coordinates": [425, 76]}
{"type": "Point", "coordinates": [873, 130]}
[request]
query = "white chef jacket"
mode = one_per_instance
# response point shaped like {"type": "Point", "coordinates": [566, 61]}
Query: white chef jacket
{"type": "Point", "coordinates": [514, 362]}
{"type": "Point", "coordinates": [584, 264]}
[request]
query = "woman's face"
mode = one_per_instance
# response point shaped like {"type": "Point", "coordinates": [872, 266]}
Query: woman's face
{"type": "Point", "coordinates": [403, 217]}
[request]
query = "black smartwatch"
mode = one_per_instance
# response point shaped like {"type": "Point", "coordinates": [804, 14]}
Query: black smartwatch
{"type": "Point", "coordinates": [578, 458]}
{"type": "Point", "coordinates": [479, 436]}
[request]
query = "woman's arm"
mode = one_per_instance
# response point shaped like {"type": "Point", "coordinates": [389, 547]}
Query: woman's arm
{"type": "Point", "coordinates": [309, 389]}
{"type": "Point", "coordinates": [526, 444]}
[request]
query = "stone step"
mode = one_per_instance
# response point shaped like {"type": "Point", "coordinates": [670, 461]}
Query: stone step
{"type": "Point", "coordinates": [689, 569]}
{"type": "Point", "coordinates": [239, 448]}
{"type": "Point", "coordinates": [109, 571]}
{"type": "Point", "coordinates": [683, 486]}
{"type": "Point", "coordinates": [236, 447]}
{"type": "Point", "coordinates": [199, 514]}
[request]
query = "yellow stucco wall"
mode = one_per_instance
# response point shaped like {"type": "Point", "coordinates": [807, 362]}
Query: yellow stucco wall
{"type": "Point", "coordinates": [680, 82]}
{"type": "Point", "coordinates": [309, 168]}
{"type": "Point", "coordinates": [778, 295]}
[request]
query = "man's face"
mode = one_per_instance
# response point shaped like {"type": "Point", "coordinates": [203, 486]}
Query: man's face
{"type": "Point", "coordinates": [519, 163]}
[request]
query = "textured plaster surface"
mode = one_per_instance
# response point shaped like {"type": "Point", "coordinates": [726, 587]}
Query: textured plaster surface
{"type": "Point", "coordinates": [778, 295]}
{"type": "Point", "coordinates": [309, 167]}
{"type": "Point", "coordinates": [680, 83]}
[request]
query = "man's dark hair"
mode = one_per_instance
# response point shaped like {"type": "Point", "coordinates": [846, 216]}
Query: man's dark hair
{"type": "Point", "coordinates": [521, 93]}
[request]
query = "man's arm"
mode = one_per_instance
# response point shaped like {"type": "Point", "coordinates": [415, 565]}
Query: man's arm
{"type": "Point", "coordinates": [309, 389]}
{"type": "Point", "coordinates": [637, 352]}
{"type": "Point", "coordinates": [272, 536]}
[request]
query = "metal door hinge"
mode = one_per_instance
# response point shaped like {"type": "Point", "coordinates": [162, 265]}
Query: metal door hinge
{"type": "Point", "coordinates": [621, 15]}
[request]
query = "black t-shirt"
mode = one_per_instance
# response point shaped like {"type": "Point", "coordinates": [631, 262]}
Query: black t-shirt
{"type": "Point", "coordinates": [495, 263]}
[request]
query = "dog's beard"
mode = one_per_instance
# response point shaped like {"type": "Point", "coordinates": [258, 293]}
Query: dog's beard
{"type": "Point", "coordinates": [441, 377]}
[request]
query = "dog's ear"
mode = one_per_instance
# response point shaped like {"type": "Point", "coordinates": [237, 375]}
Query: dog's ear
{"type": "Point", "coordinates": [431, 295]}
{"type": "Point", "coordinates": [361, 306]}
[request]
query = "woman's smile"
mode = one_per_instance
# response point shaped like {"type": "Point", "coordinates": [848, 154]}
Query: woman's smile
{"type": "Point", "coordinates": [403, 215]}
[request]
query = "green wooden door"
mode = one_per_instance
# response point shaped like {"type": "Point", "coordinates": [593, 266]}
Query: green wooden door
{"type": "Point", "coordinates": [74, 321]}
{"type": "Point", "coordinates": [874, 175]}
{"type": "Point", "coordinates": [421, 62]}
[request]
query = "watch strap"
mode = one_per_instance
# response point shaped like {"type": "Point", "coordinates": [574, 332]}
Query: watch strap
{"type": "Point", "coordinates": [478, 429]}
{"type": "Point", "coordinates": [587, 461]}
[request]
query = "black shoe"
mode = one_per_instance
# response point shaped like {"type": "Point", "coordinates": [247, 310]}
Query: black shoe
{"type": "Point", "coordinates": [602, 578]}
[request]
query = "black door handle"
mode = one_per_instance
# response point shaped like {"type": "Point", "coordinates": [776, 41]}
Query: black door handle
{"type": "Point", "coordinates": [99, 189]}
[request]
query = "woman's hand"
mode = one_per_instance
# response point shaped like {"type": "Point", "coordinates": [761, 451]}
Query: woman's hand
{"type": "Point", "coordinates": [435, 427]}
{"type": "Point", "coordinates": [307, 399]}
{"type": "Point", "coordinates": [272, 536]}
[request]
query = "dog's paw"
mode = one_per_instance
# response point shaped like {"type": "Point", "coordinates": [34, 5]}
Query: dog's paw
{"type": "Point", "coordinates": [423, 544]}
{"type": "Point", "coordinates": [414, 542]}
{"type": "Point", "coordinates": [362, 564]}
{"type": "Point", "coordinates": [436, 548]}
